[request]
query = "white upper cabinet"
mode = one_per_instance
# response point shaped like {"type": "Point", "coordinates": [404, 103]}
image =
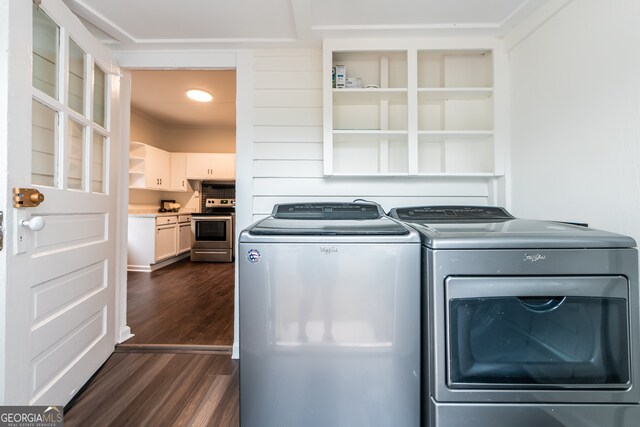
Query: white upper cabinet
{"type": "Point", "coordinates": [149, 167]}
{"type": "Point", "coordinates": [211, 166]}
{"type": "Point", "coordinates": [223, 165]}
{"type": "Point", "coordinates": [409, 108]}
{"type": "Point", "coordinates": [198, 166]}
{"type": "Point", "coordinates": [179, 172]}
{"type": "Point", "coordinates": [154, 169]}
{"type": "Point", "coordinates": [158, 170]}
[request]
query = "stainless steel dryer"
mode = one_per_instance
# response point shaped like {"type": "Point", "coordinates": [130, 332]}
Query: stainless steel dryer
{"type": "Point", "coordinates": [329, 318]}
{"type": "Point", "coordinates": [527, 323]}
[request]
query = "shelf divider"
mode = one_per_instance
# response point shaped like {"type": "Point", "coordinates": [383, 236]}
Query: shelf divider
{"type": "Point", "coordinates": [412, 112]}
{"type": "Point", "coordinates": [384, 72]}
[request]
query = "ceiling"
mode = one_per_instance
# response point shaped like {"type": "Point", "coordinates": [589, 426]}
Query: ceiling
{"type": "Point", "coordinates": [136, 24]}
{"type": "Point", "coordinates": [144, 24]}
{"type": "Point", "coordinates": [161, 95]}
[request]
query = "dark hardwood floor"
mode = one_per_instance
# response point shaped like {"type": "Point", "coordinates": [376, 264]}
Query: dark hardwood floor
{"type": "Point", "coordinates": [185, 308]}
{"type": "Point", "coordinates": [160, 389]}
{"type": "Point", "coordinates": [182, 304]}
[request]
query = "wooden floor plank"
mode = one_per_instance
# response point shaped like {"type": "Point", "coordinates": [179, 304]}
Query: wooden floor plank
{"type": "Point", "coordinates": [184, 303]}
{"type": "Point", "coordinates": [210, 402]}
{"type": "Point", "coordinates": [122, 385]}
{"type": "Point", "coordinates": [200, 398]}
{"type": "Point", "coordinates": [115, 359]}
{"type": "Point", "coordinates": [175, 370]}
{"type": "Point", "coordinates": [144, 389]}
{"type": "Point", "coordinates": [227, 411]}
{"type": "Point", "coordinates": [160, 392]}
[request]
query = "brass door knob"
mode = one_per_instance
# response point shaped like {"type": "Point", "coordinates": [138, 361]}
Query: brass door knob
{"type": "Point", "coordinates": [27, 197]}
{"type": "Point", "coordinates": [36, 198]}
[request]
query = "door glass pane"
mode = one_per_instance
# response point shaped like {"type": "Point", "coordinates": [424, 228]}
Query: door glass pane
{"type": "Point", "coordinates": [76, 77]}
{"type": "Point", "coordinates": [538, 341]}
{"type": "Point", "coordinates": [45, 53]}
{"type": "Point", "coordinates": [99, 88]}
{"type": "Point", "coordinates": [97, 163]}
{"type": "Point", "coordinates": [75, 156]}
{"type": "Point", "coordinates": [44, 148]}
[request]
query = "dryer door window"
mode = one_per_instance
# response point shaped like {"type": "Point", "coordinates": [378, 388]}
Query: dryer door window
{"type": "Point", "coordinates": [550, 332]}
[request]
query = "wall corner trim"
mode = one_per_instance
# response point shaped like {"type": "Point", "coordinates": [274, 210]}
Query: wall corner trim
{"type": "Point", "coordinates": [533, 23]}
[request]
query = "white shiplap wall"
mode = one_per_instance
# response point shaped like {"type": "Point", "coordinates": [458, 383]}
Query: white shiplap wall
{"type": "Point", "coordinates": [287, 151]}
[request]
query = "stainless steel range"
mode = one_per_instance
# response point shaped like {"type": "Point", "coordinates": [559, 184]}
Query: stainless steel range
{"type": "Point", "coordinates": [212, 231]}
{"type": "Point", "coordinates": [528, 323]}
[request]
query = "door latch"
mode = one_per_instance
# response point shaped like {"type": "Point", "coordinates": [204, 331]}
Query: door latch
{"type": "Point", "coordinates": [27, 197]}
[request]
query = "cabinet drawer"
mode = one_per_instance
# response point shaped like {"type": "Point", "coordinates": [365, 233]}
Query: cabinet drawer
{"type": "Point", "coordinates": [184, 218]}
{"type": "Point", "coordinates": [163, 220]}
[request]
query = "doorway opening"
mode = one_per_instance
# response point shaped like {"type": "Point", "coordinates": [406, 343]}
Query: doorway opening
{"type": "Point", "coordinates": [182, 154]}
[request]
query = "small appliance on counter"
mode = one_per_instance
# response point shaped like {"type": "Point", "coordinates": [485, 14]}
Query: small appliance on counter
{"type": "Point", "coordinates": [212, 231]}
{"type": "Point", "coordinates": [169, 206]}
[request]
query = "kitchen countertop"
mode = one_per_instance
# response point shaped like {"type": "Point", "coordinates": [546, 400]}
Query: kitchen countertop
{"type": "Point", "coordinates": [148, 214]}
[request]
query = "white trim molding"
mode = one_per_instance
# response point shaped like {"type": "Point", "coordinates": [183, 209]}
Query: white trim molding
{"type": "Point", "coordinates": [533, 21]}
{"type": "Point", "coordinates": [242, 61]}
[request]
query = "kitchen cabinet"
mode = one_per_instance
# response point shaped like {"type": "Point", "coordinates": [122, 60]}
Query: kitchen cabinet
{"type": "Point", "coordinates": [211, 166]}
{"type": "Point", "coordinates": [149, 167]}
{"type": "Point", "coordinates": [158, 168]}
{"type": "Point", "coordinates": [179, 172]}
{"type": "Point", "coordinates": [410, 108]}
{"type": "Point", "coordinates": [155, 169]}
{"type": "Point", "coordinates": [156, 240]}
{"type": "Point", "coordinates": [166, 239]}
{"type": "Point", "coordinates": [184, 233]}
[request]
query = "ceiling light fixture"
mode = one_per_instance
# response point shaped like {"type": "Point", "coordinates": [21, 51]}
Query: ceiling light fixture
{"type": "Point", "coordinates": [199, 95]}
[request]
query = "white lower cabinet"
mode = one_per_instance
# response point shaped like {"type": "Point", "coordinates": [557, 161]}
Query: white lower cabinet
{"type": "Point", "coordinates": [154, 241]}
{"type": "Point", "coordinates": [184, 234]}
{"type": "Point", "coordinates": [166, 241]}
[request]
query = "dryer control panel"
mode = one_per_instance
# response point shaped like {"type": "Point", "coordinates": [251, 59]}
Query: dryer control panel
{"type": "Point", "coordinates": [452, 213]}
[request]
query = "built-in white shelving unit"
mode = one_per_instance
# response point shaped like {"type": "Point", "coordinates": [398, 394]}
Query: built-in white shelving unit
{"type": "Point", "coordinates": [137, 177]}
{"type": "Point", "coordinates": [415, 110]}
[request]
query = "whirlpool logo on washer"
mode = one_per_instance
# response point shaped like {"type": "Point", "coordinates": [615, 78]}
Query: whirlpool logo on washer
{"type": "Point", "coordinates": [328, 250]}
{"type": "Point", "coordinates": [534, 257]}
{"type": "Point", "coordinates": [253, 256]}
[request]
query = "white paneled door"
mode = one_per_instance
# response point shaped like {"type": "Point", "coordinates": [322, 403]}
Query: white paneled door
{"type": "Point", "coordinates": [60, 291]}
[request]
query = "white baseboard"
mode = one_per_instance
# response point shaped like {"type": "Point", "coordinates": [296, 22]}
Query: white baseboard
{"type": "Point", "coordinates": [153, 267]}
{"type": "Point", "coordinates": [125, 334]}
{"type": "Point", "coordinates": [235, 354]}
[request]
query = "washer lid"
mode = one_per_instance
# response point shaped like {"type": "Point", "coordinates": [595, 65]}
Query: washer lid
{"type": "Point", "coordinates": [328, 220]}
{"type": "Point", "coordinates": [313, 227]}
{"type": "Point", "coordinates": [517, 233]}
{"type": "Point", "coordinates": [327, 211]}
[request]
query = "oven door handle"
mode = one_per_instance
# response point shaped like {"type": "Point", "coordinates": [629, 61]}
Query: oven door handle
{"type": "Point", "coordinates": [209, 218]}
